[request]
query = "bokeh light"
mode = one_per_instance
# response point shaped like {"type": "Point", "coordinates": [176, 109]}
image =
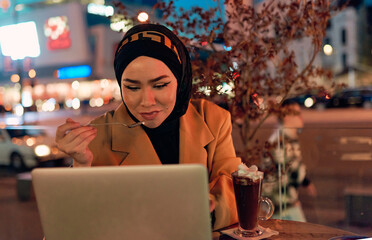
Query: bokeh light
{"type": "Point", "coordinates": [15, 78]}
{"type": "Point", "coordinates": [143, 17]}
{"type": "Point", "coordinates": [328, 49]}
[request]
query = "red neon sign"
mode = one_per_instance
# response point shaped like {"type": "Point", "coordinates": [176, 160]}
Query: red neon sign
{"type": "Point", "coordinates": [58, 33]}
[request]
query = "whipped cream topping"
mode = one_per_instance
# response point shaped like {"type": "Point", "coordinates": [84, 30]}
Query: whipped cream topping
{"type": "Point", "coordinates": [250, 172]}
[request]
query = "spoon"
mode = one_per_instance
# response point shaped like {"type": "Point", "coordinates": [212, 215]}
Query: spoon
{"type": "Point", "coordinates": [117, 123]}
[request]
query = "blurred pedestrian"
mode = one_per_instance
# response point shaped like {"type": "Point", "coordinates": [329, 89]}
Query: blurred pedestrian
{"type": "Point", "coordinates": [153, 70]}
{"type": "Point", "coordinates": [284, 169]}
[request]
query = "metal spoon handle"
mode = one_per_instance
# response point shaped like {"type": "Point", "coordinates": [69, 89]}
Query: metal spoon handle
{"type": "Point", "coordinates": [136, 124]}
{"type": "Point", "coordinates": [116, 123]}
{"type": "Point", "coordinates": [103, 124]}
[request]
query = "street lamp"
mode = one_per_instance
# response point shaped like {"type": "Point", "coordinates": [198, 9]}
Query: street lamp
{"type": "Point", "coordinates": [328, 49]}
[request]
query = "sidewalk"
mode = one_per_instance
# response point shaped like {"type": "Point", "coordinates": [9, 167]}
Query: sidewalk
{"type": "Point", "coordinates": [19, 220]}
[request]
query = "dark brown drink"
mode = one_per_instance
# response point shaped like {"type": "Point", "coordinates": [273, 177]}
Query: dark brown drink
{"type": "Point", "coordinates": [247, 194]}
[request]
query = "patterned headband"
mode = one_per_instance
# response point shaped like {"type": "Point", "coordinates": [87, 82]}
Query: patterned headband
{"type": "Point", "coordinates": [154, 36]}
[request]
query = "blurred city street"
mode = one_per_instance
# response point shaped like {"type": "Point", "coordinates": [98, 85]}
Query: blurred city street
{"type": "Point", "coordinates": [57, 61]}
{"type": "Point", "coordinates": [332, 140]}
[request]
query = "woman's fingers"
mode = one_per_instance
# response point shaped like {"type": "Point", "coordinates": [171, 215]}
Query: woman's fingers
{"type": "Point", "coordinates": [69, 120]}
{"type": "Point", "coordinates": [66, 127]}
{"type": "Point", "coordinates": [71, 137]}
{"type": "Point", "coordinates": [212, 204]}
{"type": "Point", "coordinates": [88, 139]}
{"type": "Point", "coordinates": [82, 155]}
{"type": "Point", "coordinates": [81, 142]}
{"type": "Point", "coordinates": [79, 132]}
{"type": "Point", "coordinates": [72, 142]}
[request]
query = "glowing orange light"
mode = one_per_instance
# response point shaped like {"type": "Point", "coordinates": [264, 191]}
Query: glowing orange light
{"type": "Point", "coordinates": [32, 73]}
{"type": "Point", "coordinates": [5, 4]}
{"type": "Point", "coordinates": [143, 17]}
{"type": "Point", "coordinates": [15, 78]}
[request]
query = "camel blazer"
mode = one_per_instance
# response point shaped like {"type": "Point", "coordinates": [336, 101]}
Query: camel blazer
{"type": "Point", "coordinates": [205, 138]}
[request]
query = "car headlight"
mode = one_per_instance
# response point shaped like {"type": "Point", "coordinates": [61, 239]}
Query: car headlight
{"type": "Point", "coordinates": [309, 102]}
{"type": "Point", "coordinates": [42, 150]}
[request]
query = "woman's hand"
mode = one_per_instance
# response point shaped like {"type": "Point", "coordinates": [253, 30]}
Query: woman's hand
{"type": "Point", "coordinates": [311, 190]}
{"type": "Point", "coordinates": [73, 139]}
{"type": "Point", "coordinates": [212, 204]}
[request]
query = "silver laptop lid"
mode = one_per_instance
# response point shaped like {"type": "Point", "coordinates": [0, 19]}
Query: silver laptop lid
{"type": "Point", "coordinates": [132, 202]}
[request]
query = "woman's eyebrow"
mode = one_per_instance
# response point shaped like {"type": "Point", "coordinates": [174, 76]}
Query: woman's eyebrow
{"type": "Point", "coordinates": [151, 80]}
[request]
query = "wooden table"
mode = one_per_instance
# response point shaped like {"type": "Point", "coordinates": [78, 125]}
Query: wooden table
{"type": "Point", "coordinates": [295, 230]}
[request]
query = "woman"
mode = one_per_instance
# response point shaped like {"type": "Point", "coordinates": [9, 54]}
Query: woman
{"type": "Point", "coordinates": [153, 70]}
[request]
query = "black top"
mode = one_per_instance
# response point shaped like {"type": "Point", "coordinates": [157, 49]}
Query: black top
{"type": "Point", "coordinates": [165, 140]}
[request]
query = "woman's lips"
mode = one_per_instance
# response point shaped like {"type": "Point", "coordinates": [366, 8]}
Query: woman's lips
{"type": "Point", "coordinates": [150, 115]}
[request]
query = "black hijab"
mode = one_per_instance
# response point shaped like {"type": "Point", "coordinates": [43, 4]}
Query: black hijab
{"type": "Point", "coordinates": [159, 42]}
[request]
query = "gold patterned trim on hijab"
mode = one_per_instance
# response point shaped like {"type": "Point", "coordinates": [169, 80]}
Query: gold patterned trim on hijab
{"type": "Point", "coordinates": [154, 36]}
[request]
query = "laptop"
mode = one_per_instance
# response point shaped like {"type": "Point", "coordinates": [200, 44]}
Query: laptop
{"type": "Point", "coordinates": [131, 202]}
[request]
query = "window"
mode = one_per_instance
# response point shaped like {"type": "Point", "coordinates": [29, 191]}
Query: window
{"type": "Point", "coordinates": [343, 36]}
{"type": "Point", "coordinates": [329, 25]}
{"type": "Point", "coordinates": [344, 60]}
{"type": "Point", "coordinates": [369, 19]}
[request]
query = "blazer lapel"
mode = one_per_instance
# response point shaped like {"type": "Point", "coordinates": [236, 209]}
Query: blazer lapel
{"type": "Point", "coordinates": [194, 136]}
{"type": "Point", "coordinates": [133, 142]}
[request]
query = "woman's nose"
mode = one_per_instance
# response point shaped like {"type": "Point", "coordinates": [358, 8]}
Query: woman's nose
{"type": "Point", "coordinates": [148, 98]}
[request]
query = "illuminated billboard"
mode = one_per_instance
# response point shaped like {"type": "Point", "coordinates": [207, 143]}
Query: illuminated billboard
{"type": "Point", "coordinates": [57, 31]}
{"type": "Point", "coordinates": [19, 40]}
{"type": "Point", "coordinates": [62, 42]}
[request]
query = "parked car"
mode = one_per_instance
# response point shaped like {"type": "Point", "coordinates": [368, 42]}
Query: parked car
{"type": "Point", "coordinates": [26, 148]}
{"type": "Point", "coordinates": [358, 97]}
{"type": "Point", "coordinates": [317, 100]}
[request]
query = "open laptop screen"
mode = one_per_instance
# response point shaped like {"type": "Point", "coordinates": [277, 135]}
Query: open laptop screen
{"type": "Point", "coordinates": [131, 202]}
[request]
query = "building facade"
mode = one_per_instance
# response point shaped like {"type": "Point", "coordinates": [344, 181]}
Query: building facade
{"type": "Point", "coordinates": [348, 45]}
